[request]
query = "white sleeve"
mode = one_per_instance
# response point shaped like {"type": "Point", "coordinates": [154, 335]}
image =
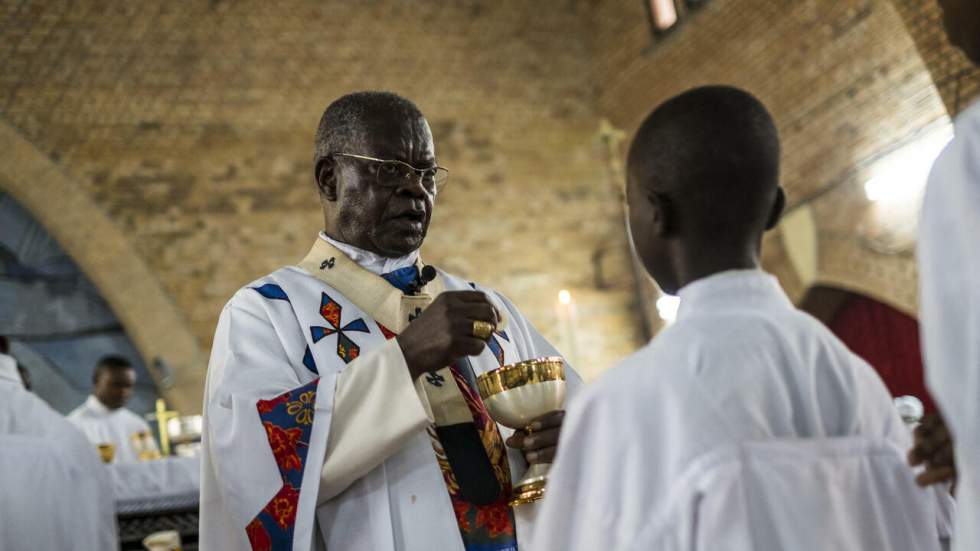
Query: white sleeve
{"type": "Point", "coordinates": [377, 409]}
{"type": "Point", "coordinates": [579, 512]}
{"type": "Point", "coordinates": [949, 308]}
{"type": "Point", "coordinates": [265, 433]}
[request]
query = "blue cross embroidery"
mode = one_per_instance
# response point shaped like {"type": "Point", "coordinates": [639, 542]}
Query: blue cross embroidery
{"type": "Point", "coordinates": [331, 311]}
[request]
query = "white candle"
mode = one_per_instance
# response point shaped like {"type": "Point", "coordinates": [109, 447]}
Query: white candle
{"type": "Point", "coordinates": [566, 321]}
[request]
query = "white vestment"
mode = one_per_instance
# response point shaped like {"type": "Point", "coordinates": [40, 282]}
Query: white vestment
{"type": "Point", "coordinates": [115, 426]}
{"type": "Point", "coordinates": [740, 364]}
{"type": "Point", "coordinates": [315, 435]}
{"type": "Point", "coordinates": [55, 491]}
{"type": "Point", "coordinates": [949, 299]}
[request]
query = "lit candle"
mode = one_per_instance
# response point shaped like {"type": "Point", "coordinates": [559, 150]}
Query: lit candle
{"type": "Point", "coordinates": [566, 321]}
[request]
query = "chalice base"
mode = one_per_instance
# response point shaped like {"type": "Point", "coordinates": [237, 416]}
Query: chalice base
{"type": "Point", "coordinates": [531, 488]}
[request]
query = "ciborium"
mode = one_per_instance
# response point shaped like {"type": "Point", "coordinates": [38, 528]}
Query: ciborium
{"type": "Point", "coordinates": [516, 395]}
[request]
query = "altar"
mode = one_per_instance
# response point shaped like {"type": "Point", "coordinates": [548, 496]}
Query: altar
{"type": "Point", "coordinates": [161, 492]}
{"type": "Point", "coordinates": [157, 495]}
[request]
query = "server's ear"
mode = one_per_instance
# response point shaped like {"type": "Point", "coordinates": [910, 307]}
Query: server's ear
{"type": "Point", "coordinates": [661, 222]}
{"type": "Point", "coordinates": [778, 205]}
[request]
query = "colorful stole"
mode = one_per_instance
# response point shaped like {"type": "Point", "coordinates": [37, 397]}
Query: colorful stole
{"type": "Point", "coordinates": [483, 528]}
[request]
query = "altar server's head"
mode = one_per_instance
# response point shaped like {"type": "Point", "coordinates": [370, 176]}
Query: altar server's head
{"type": "Point", "coordinates": [962, 21]}
{"type": "Point", "coordinates": [113, 380]}
{"type": "Point", "coordinates": [382, 207]}
{"type": "Point", "coordinates": [703, 184]}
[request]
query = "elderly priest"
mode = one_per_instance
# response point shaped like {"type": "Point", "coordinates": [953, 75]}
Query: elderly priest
{"type": "Point", "coordinates": [340, 408]}
{"type": "Point", "coordinates": [56, 492]}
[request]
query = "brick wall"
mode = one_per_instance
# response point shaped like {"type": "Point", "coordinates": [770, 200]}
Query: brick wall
{"type": "Point", "coordinates": [842, 78]}
{"type": "Point", "coordinates": [956, 78]}
{"type": "Point", "coordinates": [191, 124]}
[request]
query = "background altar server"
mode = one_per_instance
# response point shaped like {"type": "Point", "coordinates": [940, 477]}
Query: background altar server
{"type": "Point", "coordinates": [949, 293]}
{"type": "Point", "coordinates": [331, 411]}
{"type": "Point", "coordinates": [740, 363]}
{"type": "Point", "coordinates": [55, 492]}
{"type": "Point", "coordinates": [104, 417]}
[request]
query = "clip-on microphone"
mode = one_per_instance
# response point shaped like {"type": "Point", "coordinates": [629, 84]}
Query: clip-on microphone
{"type": "Point", "coordinates": [426, 274]}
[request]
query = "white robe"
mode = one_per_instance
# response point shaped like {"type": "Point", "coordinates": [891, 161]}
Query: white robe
{"type": "Point", "coordinates": [101, 425]}
{"type": "Point", "coordinates": [740, 364]}
{"type": "Point", "coordinates": [376, 485]}
{"type": "Point", "coordinates": [56, 491]}
{"type": "Point", "coordinates": [949, 295]}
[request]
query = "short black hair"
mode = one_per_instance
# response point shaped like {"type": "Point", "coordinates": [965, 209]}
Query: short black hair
{"type": "Point", "coordinates": [714, 152]}
{"type": "Point", "coordinates": [110, 363]}
{"type": "Point", "coordinates": [4, 345]}
{"type": "Point", "coordinates": [345, 121]}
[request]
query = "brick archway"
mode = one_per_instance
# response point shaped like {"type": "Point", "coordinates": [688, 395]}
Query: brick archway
{"type": "Point", "coordinates": [957, 80]}
{"type": "Point", "coordinates": [106, 256]}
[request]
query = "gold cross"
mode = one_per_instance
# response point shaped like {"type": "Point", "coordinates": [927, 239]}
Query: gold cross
{"type": "Point", "coordinates": [162, 416]}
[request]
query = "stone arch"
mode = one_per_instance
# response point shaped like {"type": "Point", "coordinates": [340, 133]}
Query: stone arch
{"type": "Point", "coordinates": [103, 252]}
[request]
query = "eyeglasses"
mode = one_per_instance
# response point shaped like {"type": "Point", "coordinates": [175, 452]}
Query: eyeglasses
{"type": "Point", "coordinates": [392, 174]}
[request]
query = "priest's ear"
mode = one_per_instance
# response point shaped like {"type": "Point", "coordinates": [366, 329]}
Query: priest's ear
{"type": "Point", "coordinates": [778, 205]}
{"type": "Point", "coordinates": [326, 174]}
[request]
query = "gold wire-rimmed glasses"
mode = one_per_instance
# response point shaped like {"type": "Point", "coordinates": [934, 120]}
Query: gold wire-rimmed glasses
{"type": "Point", "coordinates": [392, 174]}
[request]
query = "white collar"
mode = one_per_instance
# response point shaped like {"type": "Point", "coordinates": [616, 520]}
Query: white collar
{"type": "Point", "coordinates": [372, 262]}
{"type": "Point", "coordinates": [8, 370]}
{"type": "Point", "coordinates": [95, 406]}
{"type": "Point", "coordinates": [732, 288]}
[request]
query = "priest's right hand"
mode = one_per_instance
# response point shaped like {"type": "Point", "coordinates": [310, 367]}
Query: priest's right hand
{"type": "Point", "coordinates": [443, 333]}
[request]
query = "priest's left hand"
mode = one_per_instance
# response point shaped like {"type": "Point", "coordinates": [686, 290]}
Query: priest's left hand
{"type": "Point", "coordinates": [933, 448]}
{"type": "Point", "coordinates": [540, 445]}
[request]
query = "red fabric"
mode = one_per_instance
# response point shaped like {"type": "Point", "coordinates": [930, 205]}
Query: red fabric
{"type": "Point", "coordinates": [888, 340]}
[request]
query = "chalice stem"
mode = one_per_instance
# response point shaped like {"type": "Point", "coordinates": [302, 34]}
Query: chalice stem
{"type": "Point", "coordinates": [532, 486]}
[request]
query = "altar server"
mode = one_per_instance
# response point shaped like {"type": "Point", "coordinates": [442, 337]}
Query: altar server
{"type": "Point", "coordinates": [104, 418]}
{"type": "Point", "coordinates": [56, 491]}
{"type": "Point", "coordinates": [740, 364]}
{"type": "Point", "coordinates": [333, 383]}
{"type": "Point", "coordinates": [949, 294]}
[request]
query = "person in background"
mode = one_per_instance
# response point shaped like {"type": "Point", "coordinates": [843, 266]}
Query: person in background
{"type": "Point", "coordinates": [104, 418]}
{"type": "Point", "coordinates": [949, 301]}
{"type": "Point", "coordinates": [56, 492]}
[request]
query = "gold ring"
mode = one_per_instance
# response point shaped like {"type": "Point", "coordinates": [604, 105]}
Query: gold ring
{"type": "Point", "coordinates": [482, 329]}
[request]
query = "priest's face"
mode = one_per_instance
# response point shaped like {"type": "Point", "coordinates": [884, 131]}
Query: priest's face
{"type": "Point", "coordinates": [114, 387]}
{"type": "Point", "coordinates": [366, 210]}
{"type": "Point", "coordinates": [962, 21]}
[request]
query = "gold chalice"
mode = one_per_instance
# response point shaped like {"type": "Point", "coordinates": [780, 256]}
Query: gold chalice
{"type": "Point", "coordinates": [517, 394]}
{"type": "Point", "coordinates": [107, 452]}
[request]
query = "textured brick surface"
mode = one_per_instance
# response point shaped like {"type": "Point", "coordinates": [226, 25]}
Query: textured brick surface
{"type": "Point", "coordinates": [190, 124]}
{"type": "Point", "coordinates": [957, 79]}
{"type": "Point", "coordinates": [842, 78]}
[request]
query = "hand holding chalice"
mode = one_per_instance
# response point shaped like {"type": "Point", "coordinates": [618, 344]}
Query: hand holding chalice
{"type": "Point", "coordinates": [516, 395]}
